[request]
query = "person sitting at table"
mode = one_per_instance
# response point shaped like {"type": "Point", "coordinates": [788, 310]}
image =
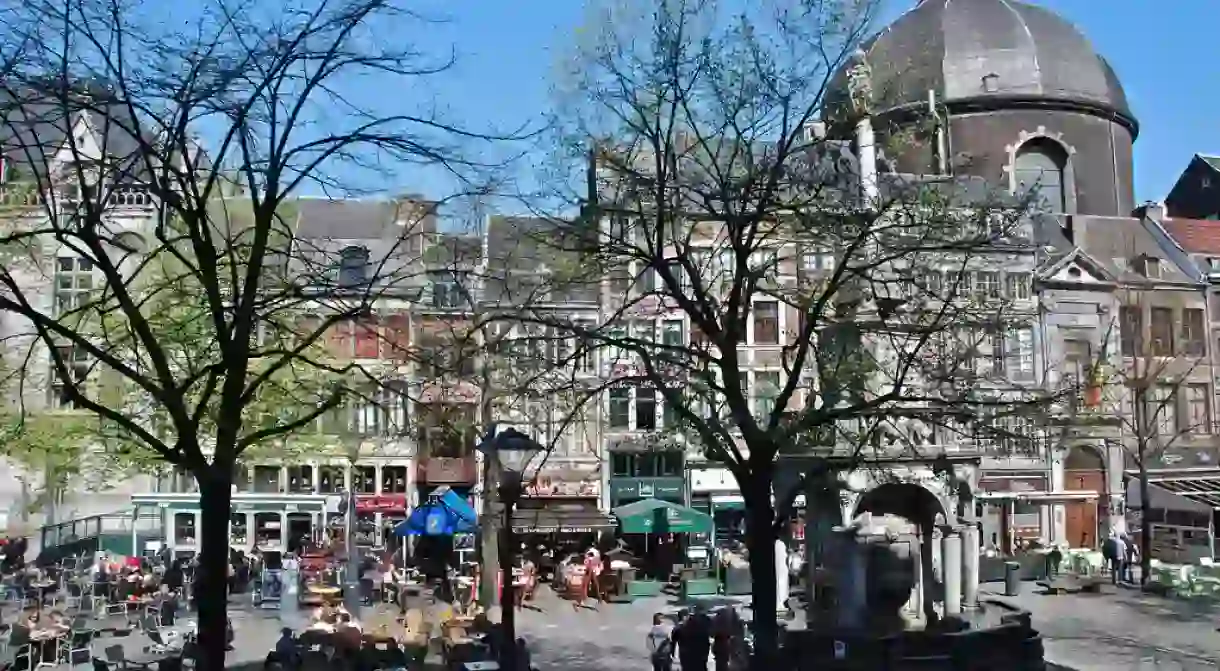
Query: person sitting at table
{"type": "Point", "coordinates": [286, 653]}
{"type": "Point", "coordinates": [31, 617]}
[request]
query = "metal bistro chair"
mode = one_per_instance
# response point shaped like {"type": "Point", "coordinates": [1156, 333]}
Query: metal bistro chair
{"type": "Point", "coordinates": [77, 646]}
{"type": "Point", "coordinates": [117, 656]}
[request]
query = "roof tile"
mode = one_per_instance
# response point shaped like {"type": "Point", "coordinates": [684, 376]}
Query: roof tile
{"type": "Point", "coordinates": [1196, 236]}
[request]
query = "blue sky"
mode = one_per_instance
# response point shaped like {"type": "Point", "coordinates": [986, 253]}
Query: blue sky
{"type": "Point", "coordinates": [1165, 52]}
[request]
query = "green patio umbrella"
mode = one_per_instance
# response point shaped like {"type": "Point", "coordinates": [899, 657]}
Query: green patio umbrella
{"type": "Point", "coordinates": [654, 516]}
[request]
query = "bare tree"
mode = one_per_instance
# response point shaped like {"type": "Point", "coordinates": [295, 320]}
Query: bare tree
{"type": "Point", "coordinates": [161, 160]}
{"type": "Point", "coordinates": [1165, 365]}
{"type": "Point", "coordinates": [778, 292]}
{"type": "Point", "coordinates": [483, 364]}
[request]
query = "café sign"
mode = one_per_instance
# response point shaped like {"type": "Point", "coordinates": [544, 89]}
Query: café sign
{"type": "Point", "coordinates": [381, 503]}
{"type": "Point", "coordinates": [548, 487]}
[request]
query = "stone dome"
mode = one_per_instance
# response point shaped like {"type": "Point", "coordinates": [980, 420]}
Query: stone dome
{"type": "Point", "coordinates": [990, 54]}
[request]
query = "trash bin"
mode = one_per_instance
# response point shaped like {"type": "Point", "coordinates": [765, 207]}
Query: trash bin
{"type": "Point", "coordinates": [1012, 578]}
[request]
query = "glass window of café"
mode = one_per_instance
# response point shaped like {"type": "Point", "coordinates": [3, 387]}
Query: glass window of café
{"type": "Point", "coordinates": [330, 479]}
{"type": "Point", "coordinates": [646, 464]}
{"type": "Point", "coordinates": [177, 479]}
{"type": "Point", "coordinates": [268, 529]}
{"type": "Point", "coordinates": [241, 478]}
{"type": "Point", "coordinates": [266, 479]}
{"type": "Point", "coordinates": [184, 528]}
{"type": "Point", "coordinates": [393, 479]}
{"type": "Point", "coordinates": [239, 529]}
{"type": "Point", "coordinates": [364, 480]}
{"type": "Point", "coordinates": [300, 479]}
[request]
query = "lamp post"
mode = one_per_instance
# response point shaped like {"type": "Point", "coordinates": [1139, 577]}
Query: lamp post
{"type": "Point", "coordinates": [513, 450]}
{"type": "Point", "coordinates": [351, 575]}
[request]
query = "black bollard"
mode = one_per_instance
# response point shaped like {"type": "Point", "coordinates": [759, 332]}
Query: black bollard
{"type": "Point", "coordinates": [1012, 578]}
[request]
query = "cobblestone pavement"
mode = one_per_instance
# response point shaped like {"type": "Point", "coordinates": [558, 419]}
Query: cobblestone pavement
{"type": "Point", "coordinates": [1123, 630]}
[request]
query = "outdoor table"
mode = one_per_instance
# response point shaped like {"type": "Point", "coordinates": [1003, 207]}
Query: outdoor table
{"type": "Point", "coordinates": [46, 640]}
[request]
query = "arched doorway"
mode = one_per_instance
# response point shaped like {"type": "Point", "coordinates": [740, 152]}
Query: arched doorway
{"type": "Point", "coordinates": [1084, 470]}
{"type": "Point", "coordinates": [919, 507]}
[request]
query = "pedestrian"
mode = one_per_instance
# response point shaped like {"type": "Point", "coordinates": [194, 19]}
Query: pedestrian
{"type": "Point", "coordinates": [1131, 558]}
{"type": "Point", "coordinates": [694, 641]}
{"type": "Point", "coordinates": [1111, 552]}
{"type": "Point", "coordinates": [660, 645]}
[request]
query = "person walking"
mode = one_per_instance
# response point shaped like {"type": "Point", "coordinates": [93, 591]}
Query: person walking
{"type": "Point", "coordinates": [1130, 557]}
{"type": "Point", "coordinates": [660, 645]}
{"type": "Point", "coordinates": [694, 639]}
{"type": "Point", "coordinates": [1111, 552]}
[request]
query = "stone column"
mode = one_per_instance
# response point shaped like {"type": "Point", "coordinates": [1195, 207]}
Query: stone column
{"type": "Point", "coordinates": [970, 565]}
{"type": "Point", "coordinates": [951, 570]}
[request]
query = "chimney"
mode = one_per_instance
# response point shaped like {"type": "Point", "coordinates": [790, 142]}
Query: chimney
{"type": "Point", "coordinates": [1152, 210]}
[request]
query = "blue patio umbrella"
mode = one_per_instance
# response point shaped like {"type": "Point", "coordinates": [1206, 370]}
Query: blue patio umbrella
{"type": "Point", "coordinates": [444, 514]}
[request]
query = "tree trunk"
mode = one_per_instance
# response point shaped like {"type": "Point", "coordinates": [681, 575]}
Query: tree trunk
{"type": "Point", "coordinates": [211, 584]}
{"type": "Point", "coordinates": [489, 533]}
{"type": "Point", "coordinates": [760, 541]}
{"type": "Point", "coordinates": [1145, 527]}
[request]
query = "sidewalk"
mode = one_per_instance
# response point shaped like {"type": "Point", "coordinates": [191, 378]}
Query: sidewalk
{"type": "Point", "coordinates": [1122, 629]}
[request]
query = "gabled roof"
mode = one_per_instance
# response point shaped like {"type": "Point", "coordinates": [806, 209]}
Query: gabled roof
{"type": "Point", "coordinates": [1078, 257]}
{"type": "Point", "coordinates": [1195, 236]}
{"type": "Point", "coordinates": [1212, 161]}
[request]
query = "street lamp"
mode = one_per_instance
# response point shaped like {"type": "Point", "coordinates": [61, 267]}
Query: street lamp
{"type": "Point", "coordinates": [352, 599]}
{"type": "Point", "coordinates": [513, 451]}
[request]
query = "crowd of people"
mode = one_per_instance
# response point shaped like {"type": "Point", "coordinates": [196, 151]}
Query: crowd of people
{"type": "Point", "coordinates": [696, 634]}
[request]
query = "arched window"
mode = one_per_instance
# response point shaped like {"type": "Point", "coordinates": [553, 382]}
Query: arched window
{"type": "Point", "coordinates": [1040, 168]}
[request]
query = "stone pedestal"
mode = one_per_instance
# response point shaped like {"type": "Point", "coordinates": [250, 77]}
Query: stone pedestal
{"type": "Point", "coordinates": [951, 570]}
{"type": "Point", "coordinates": [970, 565]}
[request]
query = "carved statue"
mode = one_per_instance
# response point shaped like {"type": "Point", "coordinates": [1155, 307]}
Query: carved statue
{"type": "Point", "coordinates": [860, 83]}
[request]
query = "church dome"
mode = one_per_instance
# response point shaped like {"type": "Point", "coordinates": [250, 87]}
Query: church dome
{"type": "Point", "coordinates": [990, 54]}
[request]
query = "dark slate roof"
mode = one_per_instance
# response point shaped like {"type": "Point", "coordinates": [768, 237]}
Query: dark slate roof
{"type": "Point", "coordinates": [530, 255]}
{"type": "Point", "coordinates": [949, 46]}
{"type": "Point", "coordinates": [34, 126]}
{"type": "Point", "coordinates": [1213, 161]}
{"type": "Point", "coordinates": [392, 231]}
{"type": "Point", "coordinates": [347, 219]}
{"type": "Point", "coordinates": [453, 251]}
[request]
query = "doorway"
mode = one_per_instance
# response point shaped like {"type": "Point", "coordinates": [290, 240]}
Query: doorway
{"type": "Point", "coordinates": [300, 531]}
{"type": "Point", "coordinates": [1083, 471]}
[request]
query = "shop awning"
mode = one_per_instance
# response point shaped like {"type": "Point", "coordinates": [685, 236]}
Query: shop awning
{"type": "Point", "coordinates": [560, 521]}
{"type": "Point", "coordinates": [1193, 494]}
{"type": "Point", "coordinates": [657, 516]}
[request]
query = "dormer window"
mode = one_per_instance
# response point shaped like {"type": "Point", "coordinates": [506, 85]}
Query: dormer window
{"type": "Point", "coordinates": [1148, 266]}
{"type": "Point", "coordinates": [353, 267]}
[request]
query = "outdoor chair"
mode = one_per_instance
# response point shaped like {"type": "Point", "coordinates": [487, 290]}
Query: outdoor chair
{"type": "Point", "coordinates": [77, 646]}
{"type": "Point", "coordinates": [100, 664]}
{"type": "Point", "coordinates": [23, 659]}
{"type": "Point", "coordinates": [73, 594]}
{"type": "Point", "coordinates": [117, 656]}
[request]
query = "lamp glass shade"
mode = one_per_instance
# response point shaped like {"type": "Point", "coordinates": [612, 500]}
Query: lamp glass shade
{"type": "Point", "coordinates": [517, 455]}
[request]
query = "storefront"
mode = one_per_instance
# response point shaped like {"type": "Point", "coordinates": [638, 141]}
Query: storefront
{"type": "Point", "coordinates": [376, 517]}
{"type": "Point", "coordinates": [624, 490]}
{"type": "Point", "coordinates": [270, 522]}
{"type": "Point", "coordinates": [1008, 515]}
{"type": "Point", "coordinates": [559, 515]}
{"type": "Point", "coordinates": [640, 471]}
{"type": "Point", "coordinates": [715, 492]}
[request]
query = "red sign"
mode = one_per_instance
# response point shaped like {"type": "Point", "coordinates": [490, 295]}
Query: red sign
{"type": "Point", "coordinates": [381, 503]}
